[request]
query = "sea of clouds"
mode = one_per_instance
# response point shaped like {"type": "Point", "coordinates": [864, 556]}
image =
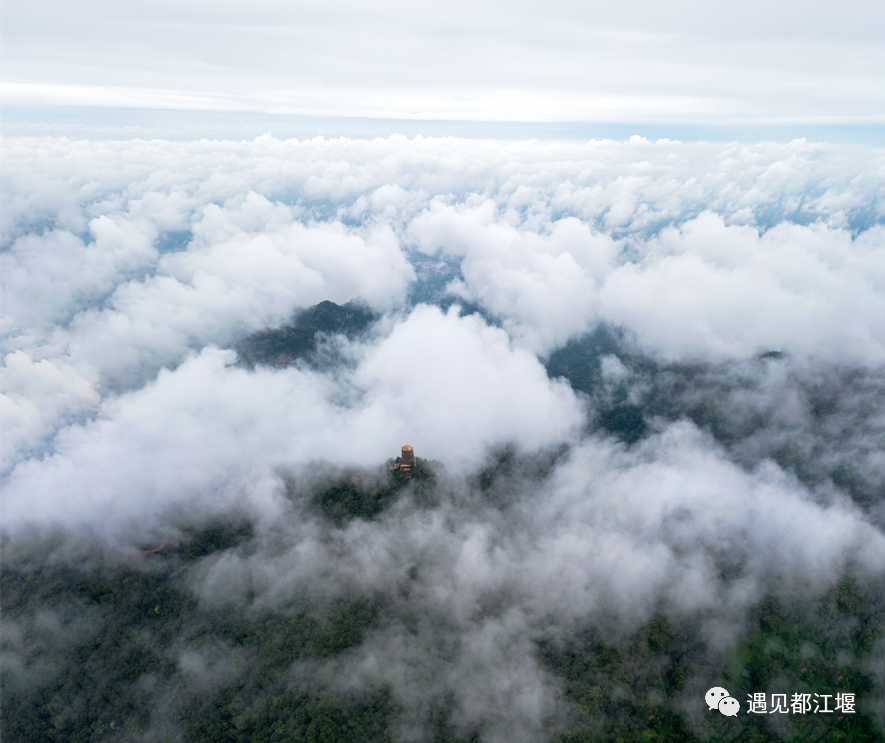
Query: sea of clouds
{"type": "Point", "coordinates": [130, 269]}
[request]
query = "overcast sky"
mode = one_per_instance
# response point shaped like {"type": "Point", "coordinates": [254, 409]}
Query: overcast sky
{"type": "Point", "coordinates": [640, 61]}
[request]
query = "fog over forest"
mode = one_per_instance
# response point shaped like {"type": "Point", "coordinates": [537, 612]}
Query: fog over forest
{"type": "Point", "coordinates": [645, 383]}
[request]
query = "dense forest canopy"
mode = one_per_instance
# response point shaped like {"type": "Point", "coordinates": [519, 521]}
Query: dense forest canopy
{"type": "Point", "coordinates": [118, 652]}
{"type": "Point", "coordinates": [133, 647]}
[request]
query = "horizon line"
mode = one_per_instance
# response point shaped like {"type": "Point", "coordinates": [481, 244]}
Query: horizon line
{"type": "Point", "coordinates": [105, 122]}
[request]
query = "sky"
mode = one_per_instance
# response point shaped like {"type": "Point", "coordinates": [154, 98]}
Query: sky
{"type": "Point", "coordinates": [690, 63]}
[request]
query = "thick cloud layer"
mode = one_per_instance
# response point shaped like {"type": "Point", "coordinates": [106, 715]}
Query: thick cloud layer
{"type": "Point", "coordinates": [209, 434]}
{"type": "Point", "coordinates": [130, 268]}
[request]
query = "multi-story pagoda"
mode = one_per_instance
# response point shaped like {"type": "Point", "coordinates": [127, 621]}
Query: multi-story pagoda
{"type": "Point", "coordinates": [405, 462]}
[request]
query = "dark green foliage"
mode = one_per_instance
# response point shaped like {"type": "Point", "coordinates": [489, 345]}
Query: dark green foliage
{"type": "Point", "coordinates": [625, 421]}
{"type": "Point", "coordinates": [346, 501]}
{"type": "Point", "coordinates": [220, 537]}
{"type": "Point", "coordinates": [355, 499]}
{"type": "Point", "coordinates": [862, 492]}
{"type": "Point", "coordinates": [112, 669]}
{"type": "Point", "coordinates": [440, 730]}
{"type": "Point", "coordinates": [502, 465]}
{"type": "Point", "coordinates": [579, 360]}
{"type": "Point", "coordinates": [115, 668]}
{"type": "Point", "coordinates": [134, 617]}
{"type": "Point", "coordinates": [837, 432]}
{"type": "Point", "coordinates": [126, 668]}
{"type": "Point", "coordinates": [300, 340]}
{"type": "Point", "coordinates": [787, 650]}
{"type": "Point", "coordinates": [506, 467]}
{"type": "Point", "coordinates": [343, 627]}
{"type": "Point", "coordinates": [311, 717]}
{"type": "Point", "coordinates": [609, 684]}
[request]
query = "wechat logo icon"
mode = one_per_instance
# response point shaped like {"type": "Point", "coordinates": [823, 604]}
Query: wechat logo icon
{"type": "Point", "coordinates": [718, 698]}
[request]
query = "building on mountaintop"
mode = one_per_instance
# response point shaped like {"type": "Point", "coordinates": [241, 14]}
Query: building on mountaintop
{"type": "Point", "coordinates": [405, 462]}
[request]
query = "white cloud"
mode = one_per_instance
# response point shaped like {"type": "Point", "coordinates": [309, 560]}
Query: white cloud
{"type": "Point", "coordinates": [458, 385]}
{"type": "Point", "coordinates": [207, 434]}
{"type": "Point", "coordinates": [247, 268]}
{"type": "Point", "coordinates": [550, 237]}
{"type": "Point", "coordinates": [544, 284]}
{"type": "Point", "coordinates": [46, 277]}
{"type": "Point", "coordinates": [708, 289]}
{"type": "Point", "coordinates": [35, 395]}
{"type": "Point", "coordinates": [126, 421]}
{"type": "Point", "coordinates": [611, 539]}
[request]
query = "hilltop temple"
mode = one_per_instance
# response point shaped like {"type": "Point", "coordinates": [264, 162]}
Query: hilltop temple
{"type": "Point", "coordinates": [405, 462]}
